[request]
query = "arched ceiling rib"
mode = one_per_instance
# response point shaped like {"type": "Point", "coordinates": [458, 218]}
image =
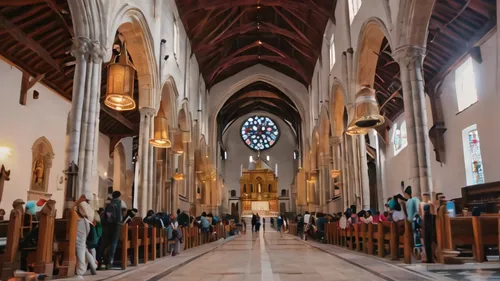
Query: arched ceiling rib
{"type": "Point", "coordinates": [229, 36]}
{"type": "Point", "coordinates": [258, 96]}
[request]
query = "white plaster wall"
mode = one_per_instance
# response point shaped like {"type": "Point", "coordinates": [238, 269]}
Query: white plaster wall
{"type": "Point", "coordinates": [450, 177]}
{"type": "Point", "coordinates": [21, 126]}
{"type": "Point", "coordinates": [238, 154]}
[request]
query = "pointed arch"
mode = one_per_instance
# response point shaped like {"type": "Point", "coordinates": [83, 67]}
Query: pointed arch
{"type": "Point", "coordinates": [324, 131]}
{"type": "Point", "coordinates": [184, 121]}
{"type": "Point", "coordinates": [413, 19]}
{"type": "Point", "coordinates": [169, 95]}
{"type": "Point", "coordinates": [338, 100]}
{"type": "Point", "coordinates": [132, 24]}
{"type": "Point", "coordinates": [370, 39]}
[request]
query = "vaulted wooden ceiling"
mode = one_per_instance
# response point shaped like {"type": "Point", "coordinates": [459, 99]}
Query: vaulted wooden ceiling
{"type": "Point", "coordinates": [37, 37]}
{"type": "Point", "coordinates": [228, 36]}
{"type": "Point", "coordinates": [455, 27]}
{"type": "Point", "coordinates": [258, 96]}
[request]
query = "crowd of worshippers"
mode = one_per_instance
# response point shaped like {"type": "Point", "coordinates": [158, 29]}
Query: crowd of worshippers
{"type": "Point", "coordinates": [98, 231]}
{"type": "Point", "coordinates": [397, 208]}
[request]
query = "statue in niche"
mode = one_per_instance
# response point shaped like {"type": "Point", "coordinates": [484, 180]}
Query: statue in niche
{"type": "Point", "coordinates": [38, 171]}
{"type": "Point", "coordinates": [43, 154]}
{"type": "Point", "coordinates": [259, 187]}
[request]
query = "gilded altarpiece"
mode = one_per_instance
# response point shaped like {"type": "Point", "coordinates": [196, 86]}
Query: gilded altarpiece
{"type": "Point", "coordinates": [259, 191]}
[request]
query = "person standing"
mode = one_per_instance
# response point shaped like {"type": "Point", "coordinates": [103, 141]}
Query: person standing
{"type": "Point", "coordinates": [264, 224]}
{"type": "Point", "coordinates": [279, 226]}
{"type": "Point", "coordinates": [254, 220]}
{"type": "Point", "coordinates": [111, 227]}
{"type": "Point", "coordinates": [85, 218]}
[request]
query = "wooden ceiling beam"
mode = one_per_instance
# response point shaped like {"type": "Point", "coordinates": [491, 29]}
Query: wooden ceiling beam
{"type": "Point", "coordinates": [189, 8]}
{"type": "Point", "coordinates": [53, 5]}
{"type": "Point", "coordinates": [288, 62]}
{"type": "Point", "coordinates": [304, 21]}
{"type": "Point", "coordinates": [195, 32]}
{"type": "Point", "coordinates": [222, 22]}
{"type": "Point", "coordinates": [290, 23]}
{"type": "Point", "coordinates": [228, 27]}
{"type": "Point", "coordinates": [304, 53]}
{"type": "Point", "coordinates": [19, 3]}
{"type": "Point", "coordinates": [20, 36]}
{"type": "Point", "coordinates": [464, 49]}
{"type": "Point", "coordinates": [118, 117]}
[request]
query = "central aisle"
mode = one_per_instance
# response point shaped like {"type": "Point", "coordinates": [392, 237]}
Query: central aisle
{"type": "Point", "coordinates": [266, 257]}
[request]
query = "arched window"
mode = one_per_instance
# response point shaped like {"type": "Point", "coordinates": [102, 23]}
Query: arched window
{"type": "Point", "coordinates": [399, 138]}
{"type": "Point", "coordinates": [332, 51]}
{"type": "Point", "coordinates": [472, 156]}
{"type": "Point", "coordinates": [176, 38]}
{"type": "Point", "coordinates": [354, 6]}
{"type": "Point", "coordinates": [233, 193]}
{"type": "Point", "coordinates": [244, 188]}
{"type": "Point", "coordinates": [465, 85]}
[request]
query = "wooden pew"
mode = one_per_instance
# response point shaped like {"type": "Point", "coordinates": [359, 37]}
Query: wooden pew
{"type": "Point", "coordinates": [65, 244]}
{"type": "Point", "coordinates": [142, 240]}
{"type": "Point", "coordinates": [486, 232]}
{"type": "Point", "coordinates": [457, 231]}
{"type": "Point", "coordinates": [44, 250]}
{"type": "Point", "coordinates": [9, 258]}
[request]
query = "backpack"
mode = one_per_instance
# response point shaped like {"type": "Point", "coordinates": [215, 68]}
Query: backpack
{"type": "Point", "coordinates": [113, 212]}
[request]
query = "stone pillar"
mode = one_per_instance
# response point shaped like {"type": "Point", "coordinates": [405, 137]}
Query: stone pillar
{"type": "Point", "coordinates": [159, 185]}
{"type": "Point", "coordinates": [335, 144]}
{"type": "Point", "coordinates": [80, 49]}
{"type": "Point", "coordinates": [363, 166]}
{"type": "Point", "coordinates": [151, 163]}
{"type": "Point", "coordinates": [84, 115]}
{"type": "Point", "coordinates": [147, 114]}
{"type": "Point", "coordinates": [356, 199]}
{"type": "Point", "coordinates": [346, 180]}
{"type": "Point", "coordinates": [410, 59]}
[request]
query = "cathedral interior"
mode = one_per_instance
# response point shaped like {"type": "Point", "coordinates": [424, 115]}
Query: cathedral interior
{"type": "Point", "coordinates": [249, 140]}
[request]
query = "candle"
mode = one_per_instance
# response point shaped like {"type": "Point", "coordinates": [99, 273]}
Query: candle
{"type": "Point", "coordinates": [276, 169]}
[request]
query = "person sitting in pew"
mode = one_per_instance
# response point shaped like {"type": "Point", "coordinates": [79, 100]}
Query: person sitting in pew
{"type": "Point", "coordinates": [368, 217]}
{"type": "Point", "coordinates": [183, 219]}
{"type": "Point", "coordinates": [150, 217]}
{"type": "Point", "coordinates": [85, 220]}
{"type": "Point", "coordinates": [131, 213]}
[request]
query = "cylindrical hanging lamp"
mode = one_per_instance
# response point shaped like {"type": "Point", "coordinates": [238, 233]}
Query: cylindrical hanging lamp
{"type": "Point", "coordinates": [352, 129]}
{"type": "Point", "coordinates": [367, 109]}
{"type": "Point", "coordinates": [178, 146]}
{"type": "Point", "coordinates": [120, 88]}
{"type": "Point", "coordinates": [160, 138]}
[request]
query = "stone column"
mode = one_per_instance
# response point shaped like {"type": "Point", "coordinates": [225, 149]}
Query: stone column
{"type": "Point", "coordinates": [80, 49]}
{"type": "Point", "coordinates": [144, 136]}
{"type": "Point", "coordinates": [151, 164]}
{"type": "Point", "coordinates": [363, 166]}
{"type": "Point", "coordinates": [91, 142]}
{"type": "Point", "coordinates": [159, 185]}
{"type": "Point", "coordinates": [410, 59]}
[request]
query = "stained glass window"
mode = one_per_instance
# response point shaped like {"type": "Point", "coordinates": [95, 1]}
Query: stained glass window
{"type": "Point", "coordinates": [399, 138]}
{"type": "Point", "coordinates": [475, 158]}
{"type": "Point", "coordinates": [259, 132]}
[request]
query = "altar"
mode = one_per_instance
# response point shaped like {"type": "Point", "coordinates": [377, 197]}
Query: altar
{"type": "Point", "coordinates": [259, 190]}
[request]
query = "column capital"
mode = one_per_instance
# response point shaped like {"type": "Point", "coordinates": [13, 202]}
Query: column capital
{"type": "Point", "coordinates": [81, 46]}
{"type": "Point", "coordinates": [97, 52]}
{"type": "Point", "coordinates": [335, 140]}
{"type": "Point", "coordinates": [408, 53]}
{"type": "Point", "coordinates": [147, 111]}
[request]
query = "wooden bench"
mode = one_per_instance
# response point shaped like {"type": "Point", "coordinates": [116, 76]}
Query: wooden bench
{"type": "Point", "coordinates": [64, 244]}
{"type": "Point", "coordinates": [486, 232]}
{"type": "Point", "coordinates": [8, 260]}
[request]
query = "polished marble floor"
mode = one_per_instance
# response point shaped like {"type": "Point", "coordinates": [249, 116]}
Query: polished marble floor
{"type": "Point", "coordinates": [266, 257]}
{"type": "Point", "coordinates": [269, 256]}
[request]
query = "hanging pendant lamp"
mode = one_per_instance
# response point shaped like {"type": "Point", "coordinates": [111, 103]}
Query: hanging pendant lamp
{"type": "Point", "coordinates": [367, 111]}
{"type": "Point", "coordinates": [160, 138]}
{"type": "Point", "coordinates": [120, 88]}
{"type": "Point", "coordinates": [353, 130]}
{"type": "Point", "coordinates": [178, 146]}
